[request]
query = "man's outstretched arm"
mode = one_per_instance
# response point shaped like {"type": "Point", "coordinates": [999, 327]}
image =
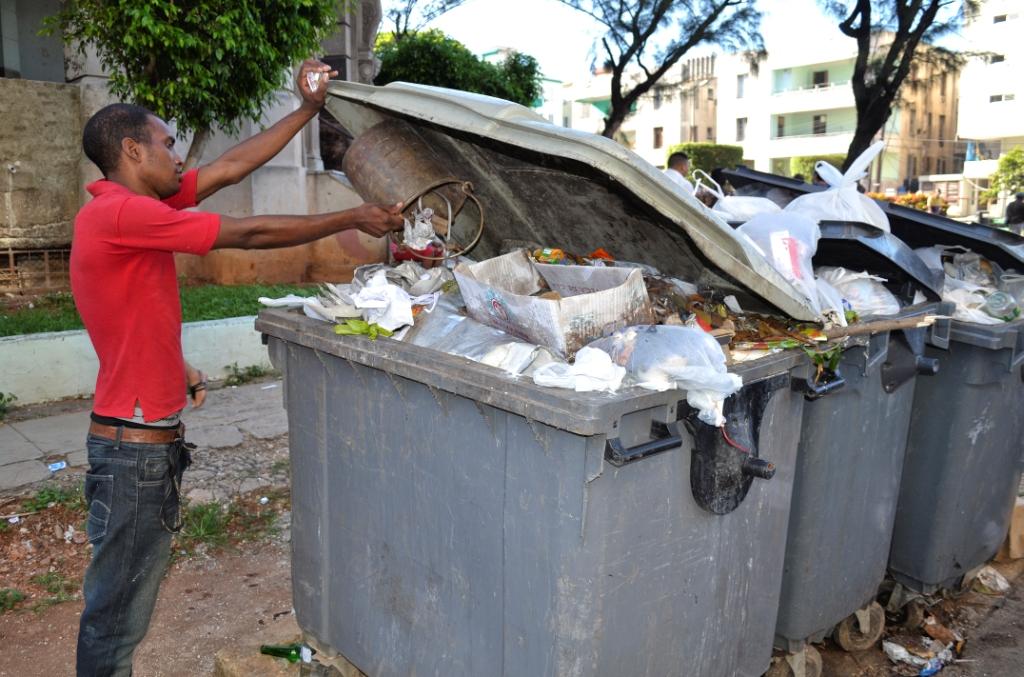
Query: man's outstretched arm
{"type": "Point", "coordinates": [268, 232]}
{"type": "Point", "coordinates": [240, 161]}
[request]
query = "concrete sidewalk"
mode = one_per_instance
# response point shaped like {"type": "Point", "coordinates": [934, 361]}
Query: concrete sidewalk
{"type": "Point", "coordinates": [28, 446]}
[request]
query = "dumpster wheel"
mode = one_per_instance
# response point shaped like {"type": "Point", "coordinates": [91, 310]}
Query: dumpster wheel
{"type": "Point", "coordinates": [783, 666]}
{"type": "Point", "coordinates": [851, 635]}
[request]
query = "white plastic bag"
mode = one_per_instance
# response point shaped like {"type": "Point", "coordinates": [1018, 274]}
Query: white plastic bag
{"type": "Point", "coordinates": [842, 201]}
{"type": "Point", "coordinates": [734, 208]}
{"type": "Point", "coordinates": [592, 370]}
{"type": "Point", "coordinates": [833, 306]}
{"type": "Point", "coordinates": [863, 291]}
{"type": "Point", "coordinates": [661, 357]}
{"type": "Point", "coordinates": [788, 242]}
{"type": "Point", "coordinates": [969, 299]}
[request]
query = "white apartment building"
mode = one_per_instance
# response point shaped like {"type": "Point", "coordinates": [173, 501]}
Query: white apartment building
{"type": "Point", "coordinates": [992, 89]}
{"type": "Point", "coordinates": [680, 108]}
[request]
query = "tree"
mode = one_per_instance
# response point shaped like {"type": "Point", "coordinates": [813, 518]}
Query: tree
{"type": "Point", "coordinates": [401, 14]}
{"type": "Point", "coordinates": [199, 63]}
{"type": "Point", "coordinates": [889, 35]}
{"type": "Point", "coordinates": [1009, 176]}
{"type": "Point", "coordinates": [634, 28]}
{"type": "Point", "coordinates": [432, 58]}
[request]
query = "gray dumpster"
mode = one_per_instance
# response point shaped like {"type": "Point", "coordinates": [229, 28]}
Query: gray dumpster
{"type": "Point", "coordinates": [966, 439]}
{"type": "Point", "coordinates": [451, 520]}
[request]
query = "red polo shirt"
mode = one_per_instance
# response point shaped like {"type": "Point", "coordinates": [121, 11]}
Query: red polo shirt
{"type": "Point", "coordinates": [126, 290]}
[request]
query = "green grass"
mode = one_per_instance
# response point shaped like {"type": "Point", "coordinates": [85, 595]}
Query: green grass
{"type": "Point", "coordinates": [239, 375]}
{"type": "Point", "coordinates": [6, 400]}
{"type": "Point", "coordinates": [72, 497]}
{"type": "Point", "coordinates": [55, 583]}
{"type": "Point", "coordinates": [206, 523]}
{"type": "Point", "coordinates": [9, 598]}
{"type": "Point", "coordinates": [56, 312]}
{"type": "Point", "coordinates": [216, 526]}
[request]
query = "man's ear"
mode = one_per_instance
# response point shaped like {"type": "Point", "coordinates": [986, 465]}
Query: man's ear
{"type": "Point", "coordinates": [131, 148]}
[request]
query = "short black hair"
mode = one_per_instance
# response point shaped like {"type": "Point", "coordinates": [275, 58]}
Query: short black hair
{"type": "Point", "coordinates": [676, 158]}
{"type": "Point", "coordinates": [101, 138]}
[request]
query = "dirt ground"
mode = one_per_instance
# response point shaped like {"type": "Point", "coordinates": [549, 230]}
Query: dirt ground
{"type": "Point", "coordinates": [205, 604]}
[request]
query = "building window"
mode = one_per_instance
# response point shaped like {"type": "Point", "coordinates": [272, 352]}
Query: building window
{"type": "Point", "coordinates": [942, 131]}
{"type": "Point", "coordinates": [999, 18]}
{"type": "Point", "coordinates": [997, 58]}
{"type": "Point", "coordinates": [912, 130]}
{"type": "Point", "coordinates": [693, 133]}
{"type": "Point", "coordinates": [659, 135]}
{"type": "Point", "coordinates": [780, 126]}
{"type": "Point", "coordinates": [942, 85]}
{"type": "Point", "coordinates": [820, 125]}
{"type": "Point", "coordinates": [995, 97]}
{"type": "Point", "coordinates": [657, 100]}
{"type": "Point", "coordinates": [711, 93]}
{"type": "Point", "coordinates": [940, 166]}
{"type": "Point", "coordinates": [927, 165]}
{"type": "Point", "coordinates": [928, 127]}
{"type": "Point", "coordinates": [711, 133]}
{"type": "Point", "coordinates": [820, 79]}
{"type": "Point", "coordinates": [741, 129]}
{"type": "Point", "coordinates": [741, 84]}
{"type": "Point", "coordinates": [911, 166]}
{"type": "Point", "coordinates": [1009, 97]}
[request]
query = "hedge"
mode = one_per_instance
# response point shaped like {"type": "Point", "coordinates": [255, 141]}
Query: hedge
{"type": "Point", "coordinates": [708, 156]}
{"type": "Point", "coordinates": [805, 164]}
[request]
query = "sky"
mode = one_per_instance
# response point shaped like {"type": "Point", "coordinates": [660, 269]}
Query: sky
{"type": "Point", "coordinates": [563, 40]}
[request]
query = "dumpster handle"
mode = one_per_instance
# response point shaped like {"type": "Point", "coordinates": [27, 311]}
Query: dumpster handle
{"type": "Point", "coordinates": [813, 389]}
{"type": "Point", "coordinates": [467, 189]}
{"type": "Point", "coordinates": [665, 436]}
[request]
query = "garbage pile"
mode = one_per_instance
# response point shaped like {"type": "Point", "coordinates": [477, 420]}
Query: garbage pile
{"type": "Point", "coordinates": [981, 290]}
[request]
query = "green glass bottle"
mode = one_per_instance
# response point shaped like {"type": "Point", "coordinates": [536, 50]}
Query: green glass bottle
{"type": "Point", "coordinates": [290, 652]}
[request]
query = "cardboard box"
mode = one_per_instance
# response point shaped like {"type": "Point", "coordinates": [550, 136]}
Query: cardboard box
{"type": "Point", "coordinates": [1013, 546]}
{"type": "Point", "coordinates": [595, 300]}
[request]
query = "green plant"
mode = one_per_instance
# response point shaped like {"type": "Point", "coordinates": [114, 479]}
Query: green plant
{"type": "Point", "coordinates": [202, 63]}
{"type": "Point", "coordinates": [206, 523]}
{"type": "Point", "coordinates": [71, 497]}
{"type": "Point", "coordinates": [708, 156]}
{"type": "Point", "coordinates": [240, 375]}
{"type": "Point", "coordinates": [1009, 176]}
{"type": "Point", "coordinates": [6, 400]}
{"type": "Point", "coordinates": [804, 164]}
{"type": "Point", "coordinates": [9, 598]}
{"type": "Point", "coordinates": [432, 58]}
{"type": "Point", "coordinates": [55, 583]}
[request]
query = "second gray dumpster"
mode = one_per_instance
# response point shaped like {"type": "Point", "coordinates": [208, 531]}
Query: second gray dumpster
{"type": "Point", "coordinates": [450, 520]}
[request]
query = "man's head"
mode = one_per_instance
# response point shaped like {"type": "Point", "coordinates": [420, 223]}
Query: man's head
{"type": "Point", "coordinates": [679, 162]}
{"type": "Point", "coordinates": [1020, 196]}
{"type": "Point", "coordinates": [134, 144]}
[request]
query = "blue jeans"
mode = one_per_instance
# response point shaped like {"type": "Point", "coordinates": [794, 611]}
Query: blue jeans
{"type": "Point", "coordinates": [133, 505]}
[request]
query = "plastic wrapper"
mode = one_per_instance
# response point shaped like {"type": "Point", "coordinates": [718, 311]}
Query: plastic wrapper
{"type": "Point", "coordinates": [842, 201]}
{"type": "Point", "coordinates": [788, 242]}
{"type": "Point", "coordinates": [662, 357]}
{"type": "Point", "coordinates": [833, 305]}
{"type": "Point", "coordinates": [592, 370]}
{"type": "Point", "coordinates": [864, 292]}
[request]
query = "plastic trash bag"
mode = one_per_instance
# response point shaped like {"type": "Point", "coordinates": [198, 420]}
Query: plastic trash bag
{"type": "Point", "coordinates": [734, 208]}
{"type": "Point", "coordinates": [864, 292]}
{"type": "Point", "coordinates": [662, 357]}
{"type": "Point", "coordinates": [592, 370]}
{"type": "Point", "coordinates": [788, 242]}
{"type": "Point", "coordinates": [842, 201]}
{"type": "Point", "coordinates": [833, 305]}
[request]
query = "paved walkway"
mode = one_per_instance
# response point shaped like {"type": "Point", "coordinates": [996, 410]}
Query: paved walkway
{"type": "Point", "coordinates": [231, 417]}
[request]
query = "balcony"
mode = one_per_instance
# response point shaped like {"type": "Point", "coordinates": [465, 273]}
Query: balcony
{"type": "Point", "coordinates": [810, 144]}
{"type": "Point", "coordinates": [827, 97]}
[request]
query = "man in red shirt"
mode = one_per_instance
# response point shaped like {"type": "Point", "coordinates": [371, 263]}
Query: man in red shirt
{"type": "Point", "coordinates": [124, 283]}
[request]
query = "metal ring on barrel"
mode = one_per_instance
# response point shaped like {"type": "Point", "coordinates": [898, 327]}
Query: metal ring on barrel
{"type": "Point", "coordinates": [467, 188]}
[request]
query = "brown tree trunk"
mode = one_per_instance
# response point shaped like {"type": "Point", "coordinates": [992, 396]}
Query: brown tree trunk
{"type": "Point", "coordinates": [613, 122]}
{"type": "Point", "coordinates": [195, 151]}
{"type": "Point", "coordinates": [868, 124]}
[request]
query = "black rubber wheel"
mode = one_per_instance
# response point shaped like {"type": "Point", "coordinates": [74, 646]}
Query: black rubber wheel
{"type": "Point", "coordinates": [812, 668]}
{"type": "Point", "coordinates": [910, 616]}
{"type": "Point", "coordinates": [850, 636]}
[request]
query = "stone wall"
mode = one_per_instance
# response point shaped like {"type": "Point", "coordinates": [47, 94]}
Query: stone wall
{"type": "Point", "coordinates": [40, 149]}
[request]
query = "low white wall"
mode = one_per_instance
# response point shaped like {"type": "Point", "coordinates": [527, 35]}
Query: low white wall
{"type": "Point", "coordinates": [52, 366]}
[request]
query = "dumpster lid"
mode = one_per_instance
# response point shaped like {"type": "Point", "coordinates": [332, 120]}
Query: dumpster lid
{"type": "Point", "coordinates": [565, 188]}
{"type": "Point", "coordinates": [913, 226]}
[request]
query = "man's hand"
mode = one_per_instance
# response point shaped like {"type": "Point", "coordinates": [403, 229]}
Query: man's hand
{"type": "Point", "coordinates": [377, 220]}
{"type": "Point", "coordinates": [311, 69]}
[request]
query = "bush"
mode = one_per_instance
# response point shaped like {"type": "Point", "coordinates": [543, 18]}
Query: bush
{"type": "Point", "coordinates": [708, 156]}
{"type": "Point", "coordinates": [912, 200]}
{"type": "Point", "coordinates": [804, 164]}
